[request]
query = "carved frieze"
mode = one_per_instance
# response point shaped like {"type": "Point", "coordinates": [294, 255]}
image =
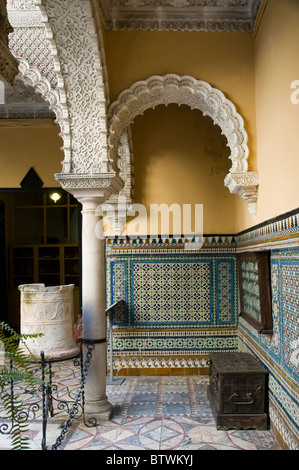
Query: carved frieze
{"type": "Point", "coordinates": [187, 90]}
{"type": "Point", "coordinates": [197, 94]}
{"type": "Point", "coordinates": [180, 15]}
{"type": "Point", "coordinates": [61, 57]}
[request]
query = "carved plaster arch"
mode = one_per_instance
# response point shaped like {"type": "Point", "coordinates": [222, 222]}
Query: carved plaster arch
{"type": "Point", "coordinates": [57, 103]}
{"type": "Point", "coordinates": [200, 95]}
{"type": "Point", "coordinates": [74, 82]}
{"type": "Point", "coordinates": [72, 31]}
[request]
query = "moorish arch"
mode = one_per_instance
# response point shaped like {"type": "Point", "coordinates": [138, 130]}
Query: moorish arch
{"type": "Point", "coordinates": [59, 53]}
{"type": "Point", "coordinates": [197, 94]}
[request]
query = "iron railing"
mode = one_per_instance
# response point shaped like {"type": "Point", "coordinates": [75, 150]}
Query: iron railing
{"type": "Point", "coordinates": [45, 404]}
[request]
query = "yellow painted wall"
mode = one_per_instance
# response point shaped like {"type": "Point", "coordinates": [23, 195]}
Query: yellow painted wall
{"type": "Point", "coordinates": [181, 158]}
{"type": "Point", "coordinates": [255, 74]}
{"type": "Point", "coordinates": [174, 159]}
{"type": "Point", "coordinates": [276, 67]}
{"type": "Point", "coordinates": [26, 144]}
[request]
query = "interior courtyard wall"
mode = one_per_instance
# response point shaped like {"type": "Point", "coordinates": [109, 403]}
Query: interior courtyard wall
{"type": "Point", "coordinates": [276, 68]}
{"type": "Point", "coordinates": [26, 144]}
{"type": "Point", "coordinates": [180, 305]}
{"type": "Point", "coordinates": [180, 157]}
{"type": "Point", "coordinates": [225, 60]}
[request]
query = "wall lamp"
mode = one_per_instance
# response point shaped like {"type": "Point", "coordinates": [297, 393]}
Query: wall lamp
{"type": "Point", "coordinates": [55, 197]}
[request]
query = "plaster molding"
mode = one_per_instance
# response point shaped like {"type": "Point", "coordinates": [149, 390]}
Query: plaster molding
{"type": "Point", "coordinates": [117, 207]}
{"type": "Point", "coordinates": [22, 102]}
{"type": "Point", "coordinates": [125, 166]}
{"type": "Point", "coordinates": [117, 210]}
{"type": "Point", "coordinates": [186, 90]}
{"type": "Point", "coordinates": [180, 15]}
{"type": "Point", "coordinates": [57, 103]}
{"type": "Point", "coordinates": [75, 67]}
{"type": "Point", "coordinates": [86, 186]}
{"type": "Point", "coordinates": [197, 94]}
{"type": "Point", "coordinates": [246, 185]}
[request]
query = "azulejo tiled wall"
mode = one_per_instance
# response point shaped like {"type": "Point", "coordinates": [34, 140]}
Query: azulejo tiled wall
{"type": "Point", "coordinates": [180, 302]}
{"type": "Point", "coordinates": [279, 352]}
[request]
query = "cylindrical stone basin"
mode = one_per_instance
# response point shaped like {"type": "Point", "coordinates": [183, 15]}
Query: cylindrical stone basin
{"type": "Point", "coordinates": [50, 311]}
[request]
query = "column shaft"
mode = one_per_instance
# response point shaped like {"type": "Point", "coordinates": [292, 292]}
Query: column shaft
{"type": "Point", "coordinates": [93, 311]}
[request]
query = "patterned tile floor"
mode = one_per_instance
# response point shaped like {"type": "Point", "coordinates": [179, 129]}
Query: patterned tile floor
{"type": "Point", "coordinates": [150, 413]}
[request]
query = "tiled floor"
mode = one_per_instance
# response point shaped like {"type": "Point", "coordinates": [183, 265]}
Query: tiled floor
{"type": "Point", "coordinates": [150, 413]}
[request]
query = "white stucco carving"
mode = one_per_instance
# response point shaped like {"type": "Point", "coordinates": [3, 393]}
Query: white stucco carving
{"type": "Point", "coordinates": [71, 23]}
{"type": "Point", "coordinates": [74, 82]}
{"type": "Point", "coordinates": [8, 63]}
{"type": "Point", "coordinates": [246, 185]}
{"type": "Point", "coordinates": [180, 15]}
{"type": "Point", "coordinates": [57, 103]}
{"type": "Point", "coordinates": [187, 90]}
{"type": "Point", "coordinates": [197, 94]}
{"type": "Point", "coordinates": [61, 55]}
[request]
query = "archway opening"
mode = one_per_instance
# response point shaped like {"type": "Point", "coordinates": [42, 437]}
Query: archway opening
{"type": "Point", "coordinates": [180, 157]}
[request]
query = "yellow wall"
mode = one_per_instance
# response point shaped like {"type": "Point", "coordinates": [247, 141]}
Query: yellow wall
{"type": "Point", "coordinates": [181, 158]}
{"type": "Point", "coordinates": [277, 66]}
{"type": "Point", "coordinates": [255, 74]}
{"type": "Point", "coordinates": [174, 160]}
{"type": "Point", "coordinates": [26, 144]}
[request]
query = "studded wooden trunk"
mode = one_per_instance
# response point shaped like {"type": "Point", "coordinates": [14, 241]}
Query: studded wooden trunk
{"type": "Point", "coordinates": [237, 391]}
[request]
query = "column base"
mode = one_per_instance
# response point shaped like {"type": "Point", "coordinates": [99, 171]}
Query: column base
{"type": "Point", "coordinates": [99, 410]}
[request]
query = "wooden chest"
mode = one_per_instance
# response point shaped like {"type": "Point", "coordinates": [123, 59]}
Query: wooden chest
{"type": "Point", "coordinates": [238, 391]}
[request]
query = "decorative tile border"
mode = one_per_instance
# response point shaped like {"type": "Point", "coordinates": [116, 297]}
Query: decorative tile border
{"type": "Point", "coordinates": [186, 346]}
{"type": "Point", "coordinates": [278, 233]}
{"type": "Point", "coordinates": [174, 244]}
{"type": "Point", "coordinates": [280, 351]}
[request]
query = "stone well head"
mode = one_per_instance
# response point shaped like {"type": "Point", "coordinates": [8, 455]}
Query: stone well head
{"type": "Point", "coordinates": [50, 311]}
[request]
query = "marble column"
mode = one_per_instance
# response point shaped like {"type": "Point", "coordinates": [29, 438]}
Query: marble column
{"type": "Point", "coordinates": [93, 309]}
{"type": "Point", "coordinates": [92, 191]}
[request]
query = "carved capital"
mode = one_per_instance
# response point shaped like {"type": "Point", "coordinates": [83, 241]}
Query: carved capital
{"type": "Point", "coordinates": [90, 185]}
{"type": "Point", "coordinates": [246, 185]}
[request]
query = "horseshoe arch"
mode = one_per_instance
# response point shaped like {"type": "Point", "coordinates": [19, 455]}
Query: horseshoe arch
{"type": "Point", "coordinates": [197, 94]}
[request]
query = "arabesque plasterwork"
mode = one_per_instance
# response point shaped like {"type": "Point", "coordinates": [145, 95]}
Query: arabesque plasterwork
{"type": "Point", "coordinates": [180, 15]}
{"type": "Point", "coordinates": [96, 140]}
{"type": "Point", "coordinates": [69, 73]}
{"type": "Point", "coordinates": [76, 41]}
{"type": "Point", "coordinates": [197, 94]}
{"type": "Point", "coordinates": [8, 63]}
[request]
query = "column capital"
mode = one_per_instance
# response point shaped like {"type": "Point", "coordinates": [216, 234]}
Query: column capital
{"type": "Point", "coordinates": [90, 187]}
{"type": "Point", "coordinates": [245, 184]}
